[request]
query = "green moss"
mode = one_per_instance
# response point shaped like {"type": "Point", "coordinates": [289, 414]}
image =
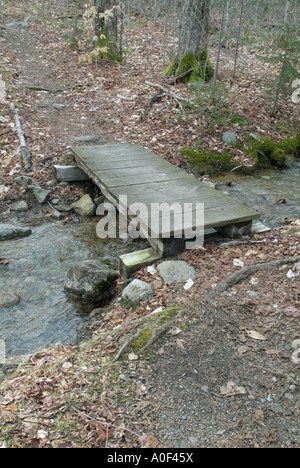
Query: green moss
{"type": "Point", "coordinates": [201, 68]}
{"type": "Point", "coordinates": [266, 153]}
{"type": "Point", "coordinates": [291, 146]}
{"type": "Point", "coordinates": [102, 286]}
{"type": "Point", "coordinates": [143, 339]}
{"type": "Point", "coordinates": [203, 162]}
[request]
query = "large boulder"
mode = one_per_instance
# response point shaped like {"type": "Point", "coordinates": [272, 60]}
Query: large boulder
{"type": "Point", "coordinates": [9, 232]}
{"type": "Point", "coordinates": [90, 281]}
{"type": "Point", "coordinates": [136, 291]}
{"type": "Point", "coordinates": [176, 271]}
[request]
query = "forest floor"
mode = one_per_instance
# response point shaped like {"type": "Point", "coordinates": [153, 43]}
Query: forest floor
{"type": "Point", "coordinates": [223, 375]}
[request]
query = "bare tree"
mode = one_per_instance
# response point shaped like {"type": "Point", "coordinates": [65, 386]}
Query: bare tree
{"type": "Point", "coordinates": [287, 11]}
{"type": "Point", "coordinates": [191, 60]}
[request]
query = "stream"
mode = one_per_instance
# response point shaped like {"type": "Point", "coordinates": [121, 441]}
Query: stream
{"type": "Point", "coordinates": [37, 269]}
{"type": "Point", "coordinates": [38, 264]}
{"type": "Point", "coordinates": [274, 194]}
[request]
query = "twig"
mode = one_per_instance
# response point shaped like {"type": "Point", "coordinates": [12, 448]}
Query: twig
{"type": "Point", "coordinates": [24, 148]}
{"type": "Point", "coordinates": [174, 80]}
{"type": "Point", "coordinates": [107, 424]}
{"type": "Point", "coordinates": [58, 90]}
{"type": "Point", "coordinates": [247, 271]}
{"type": "Point", "coordinates": [174, 96]}
{"type": "Point", "coordinates": [275, 372]}
{"type": "Point", "coordinates": [245, 242]}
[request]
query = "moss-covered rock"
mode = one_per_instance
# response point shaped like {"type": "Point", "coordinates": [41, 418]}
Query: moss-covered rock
{"type": "Point", "coordinates": [265, 152]}
{"type": "Point", "coordinates": [90, 281]}
{"type": "Point", "coordinates": [203, 162]}
{"type": "Point", "coordinates": [200, 66]}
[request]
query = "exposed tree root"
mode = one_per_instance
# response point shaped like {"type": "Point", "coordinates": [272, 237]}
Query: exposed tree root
{"type": "Point", "coordinates": [247, 271]}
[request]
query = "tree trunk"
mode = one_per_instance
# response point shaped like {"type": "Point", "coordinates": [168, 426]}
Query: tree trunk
{"type": "Point", "coordinates": [287, 11]}
{"type": "Point", "coordinates": [193, 38]}
{"type": "Point", "coordinates": [106, 29]}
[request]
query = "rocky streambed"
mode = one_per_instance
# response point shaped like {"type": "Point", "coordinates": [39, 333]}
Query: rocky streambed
{"type": "Point", "coordinates": [35, 311]}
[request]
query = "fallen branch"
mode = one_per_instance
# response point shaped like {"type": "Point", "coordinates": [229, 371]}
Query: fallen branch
{"type": "Point", "coordinates": [174, 96]}
{"type": "Point", "coordinates": [157, 97]}
{"type": "Point", "coordinates": [57, 90]}
{"type": "Point", "coordinates": [24, 148]}
{"type": "Point", "coordinates": [247, 271]}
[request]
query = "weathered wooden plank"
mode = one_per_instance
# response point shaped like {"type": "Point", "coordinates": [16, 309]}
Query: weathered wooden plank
{"type": "Point", "coordinates": [231, 214]}
{"type": "Point", "coordinates": [112, 182]}
{"type": "Point", "coordinates": [136, 163]}
{"type": "Point", "coordinates": [134, 261]}
{"type": "Point", "coordinates": [113, 153]}
{"type": "Point", "coordinates": [207, 199]}
{"type": "Point", "coordinates": [163, 188]}
{"type": "Point", "coordinates": [69, 174]}
{"type": "Point", "coordinates": [114, 173]}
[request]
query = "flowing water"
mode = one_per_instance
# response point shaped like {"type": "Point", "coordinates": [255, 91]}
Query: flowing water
{"type": "Point", "coordinates": [274, 194]}
{"type": "Point", "coordinates": [38, 264]}
{"type": "Point", "coordinates": [37, 269]}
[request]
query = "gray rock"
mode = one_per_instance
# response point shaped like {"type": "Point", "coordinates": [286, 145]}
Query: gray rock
{"type": "Point", "coordinates": [63, 208]}
{"type": "Point", "coordinates": [9, 232]}
{"type": "Point", "coordinates": [17, 24]}
{"type": "Point", "coordinates": [193, 440]}
{"type": "Point", "coordinates": [23, 180]}
{"type": "Point", "coordinates": [229, 138]}
{"type": "Point", "coordinates": [9, 299]}
{"type": "Point", "coordinates": [55, 201]}
{"type": "Point", "coordinates": [3, 189]}
{"type": "Point", "coordinates": [176, 271]}
{"type": "Point", "coordinates": [57, 215]}
{"type": "Point", "coordinates": [40, 194]}
{"type": "Point", "coordinates": [85, 206]}
{"type": "Point", "coordinates": [253, 294]}
{"type": "Point", "coordinates": [85, 139]}
{"type": "Point", "coordinates": [19, 206]}
{"type": "Point", "coordinates": [136, 291]}
{"type": "Point", "coordinates": [90, 281]}
{"type": "Point", "coordinates": [58, 106]}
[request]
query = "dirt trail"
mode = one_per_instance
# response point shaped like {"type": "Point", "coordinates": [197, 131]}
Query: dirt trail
{"type": "Point", "coordinates": [54, 104]}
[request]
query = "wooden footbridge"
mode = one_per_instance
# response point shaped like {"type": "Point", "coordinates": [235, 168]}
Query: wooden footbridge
{"type": "Point", "coordinates": [144, 177]}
